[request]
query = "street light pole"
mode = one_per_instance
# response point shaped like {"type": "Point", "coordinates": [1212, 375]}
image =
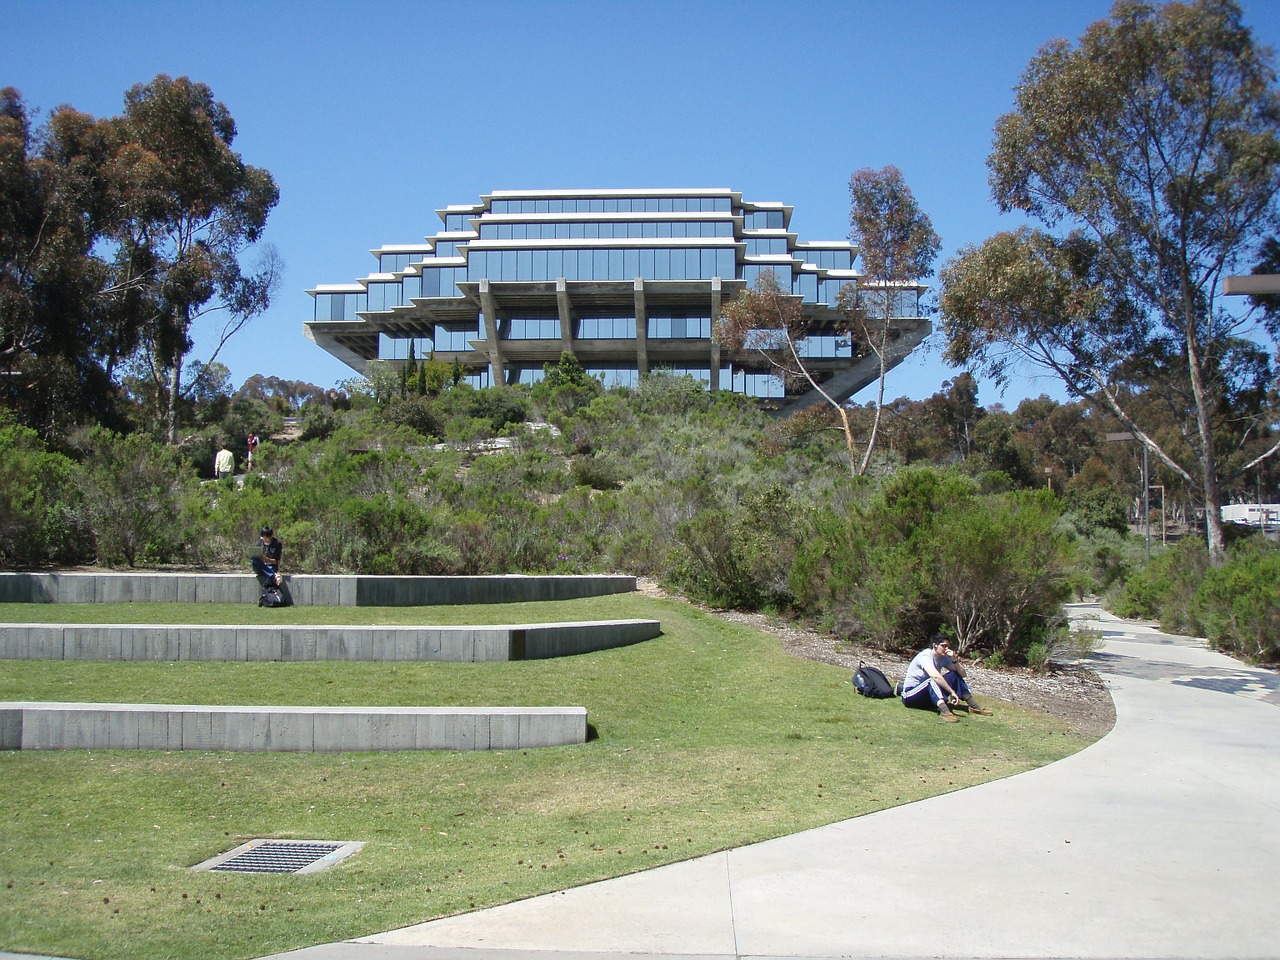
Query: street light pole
{"type": "Point", "coordinates": [1146, 498]}
{"type": "Point", "coordinates": [1146, 485]}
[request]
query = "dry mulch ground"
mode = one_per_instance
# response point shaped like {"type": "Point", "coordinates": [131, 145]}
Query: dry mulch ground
{"type": "Point", "coordinates": [1072, 693]}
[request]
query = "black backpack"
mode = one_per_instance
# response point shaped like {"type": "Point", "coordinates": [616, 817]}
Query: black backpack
{"type": "Point", "coordinates": [871, 682]}
{"type": "Point", "coordinates": [272, 596]}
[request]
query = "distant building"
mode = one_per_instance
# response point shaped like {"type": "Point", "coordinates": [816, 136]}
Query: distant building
{"type": "Point", "coordinates": [1252, 514]}
{"type": "Point", "coordinates": [629, 281]}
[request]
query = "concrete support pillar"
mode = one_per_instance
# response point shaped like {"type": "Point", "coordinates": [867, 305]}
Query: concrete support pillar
{"type": "Point", "coordinates": [566, 315]}
{"type": "Point", "coordinates": [497, 369]}
{"type": "Point", "coordinates": [715, 343]}
{"type": "Point", "coordinates": [642, 328]}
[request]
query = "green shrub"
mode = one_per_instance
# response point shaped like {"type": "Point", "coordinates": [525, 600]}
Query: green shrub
{"type": "Point", "coordinates": [132, 493]}
{"type": "Point", "coordinates": [1000, 570]}
{"type": "Point", "coordinates": [926, 549]}
{"type": "Point", "coordinates": [565, 388]}
{"type": "Point", "coordinates": [419, 414]}
{"type": "Point", "coordinates": [1038, 656]}
{"type": "Point", "coordinates": [1164, 589]}
{"type": "Point", "coordinates": [37, 503]}
{"type": "Point", "coordinates": [598, 472]}
{"type": "Point", "coordinates": [713, 568]}
{"type": "Point", "coordinates": [1238, 604]}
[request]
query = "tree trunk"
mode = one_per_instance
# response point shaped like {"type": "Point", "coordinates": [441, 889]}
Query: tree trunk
{"type": "Point", "coordinates": [1208, 459]}
{"type": "Point", "coordinates": [875, 422]}
{"type": "Point", "coordinates": [175, 388]}
{"type": "Point", "coordinates": [849, 444]}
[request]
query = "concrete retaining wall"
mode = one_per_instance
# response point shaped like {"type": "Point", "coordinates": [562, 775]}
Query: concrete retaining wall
{"type": "Point", "coordinates": [41, 641]}
{"type": "Point", "coordinates": [119, 726]}
{"type": "Point", "coordinates": [309, 590]}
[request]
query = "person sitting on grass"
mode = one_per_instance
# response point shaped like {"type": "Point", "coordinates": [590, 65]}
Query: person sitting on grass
{"type": "Point", "coordinates": [935, 681]}
{"type": "Point", "coordinates": [266, 564]}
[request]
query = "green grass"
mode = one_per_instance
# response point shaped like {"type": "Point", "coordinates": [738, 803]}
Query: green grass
{"type": "Point", "coordinates": [708, 737]}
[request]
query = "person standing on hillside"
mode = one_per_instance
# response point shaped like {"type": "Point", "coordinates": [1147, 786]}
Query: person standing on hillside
{"type": "Point", "coordinates": [224, 464]}
{"type": "Point", "coordinates": [935, 680]}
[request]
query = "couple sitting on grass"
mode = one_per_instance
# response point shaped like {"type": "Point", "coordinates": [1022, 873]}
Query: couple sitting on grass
{"type": "Point", "coordinates": [935, 681]}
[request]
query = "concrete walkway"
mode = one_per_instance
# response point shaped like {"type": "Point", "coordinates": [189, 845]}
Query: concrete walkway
{"type": "Point", "coordinates": [1161, 840]}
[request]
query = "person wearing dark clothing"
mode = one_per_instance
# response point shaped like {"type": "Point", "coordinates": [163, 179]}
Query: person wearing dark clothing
{"type": "Point", "coordinates": [267, 563]}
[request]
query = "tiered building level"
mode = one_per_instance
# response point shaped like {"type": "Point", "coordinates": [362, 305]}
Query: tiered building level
{"type": "Point", "coordinates": [629, 281]}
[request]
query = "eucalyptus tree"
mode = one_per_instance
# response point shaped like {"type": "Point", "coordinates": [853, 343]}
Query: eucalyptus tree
{"type": "Point", "coordinates": [898, 245]}
{"type": "Point", "coordinates": [190, 209]}
{"type": "Point", "coordinates": [769, 323]}
{"type": "Point", "coordinates": [1150, 152]}
{"type": "Point", "coordinates": [59, 337]}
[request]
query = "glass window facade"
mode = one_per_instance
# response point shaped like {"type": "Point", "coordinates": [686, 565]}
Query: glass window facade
{"type": "Point", "coordinates": [397, 348]}
{"type": "Point", "coordinates": [386, 295]}
{"type": "Point", "coordinates": [607, 327]}
{"type": "Point", "coordinates": [397, 262]}
{"type": "Point", "coordinates": [903, 304]}
{"type": "Point", "coordinates": [341, 306]}
{"type": "Point", "coordinates": [760, 245]}
{"type": "Point", "coordinates": [827, 259]}
{"type": "Point", "coordinates": [602, 263]}
{"type": "Point", "coordinates": [441, 281]}
{"type": "Point", "coordinates": [613, 205]}
{"type": "Point", "coordinates": [526, 375]}
{"type": "Point", "coordinates": [607, 230]}
{"type": "Point", "coordinates": [679, 327]}
{"type": "Point", "coordinates": [781, 272]}
{"type": "Point", "coordinates": [825, 347]}
{"type": "Point", "coordinates": [451, 338]}
{"type": "Point", "coordinates": [611, 377]}
{"type": "Point", "coordinates": [758, 383]}
{"type": "Point", "coordinates": [537, 327]}
{"type": "Point", "coordinates": [764, 220]}
{"type": "Point", "coordinates": [698, 249]}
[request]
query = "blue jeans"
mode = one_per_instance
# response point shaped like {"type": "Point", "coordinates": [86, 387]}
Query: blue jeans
{"type": "Point", "coordinates": [266, 572]}
{"type": "Point", "coordinates": [927, 695]}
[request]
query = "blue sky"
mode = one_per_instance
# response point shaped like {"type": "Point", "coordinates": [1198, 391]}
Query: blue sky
{"type": "Point", "coordinates": [372, 116]}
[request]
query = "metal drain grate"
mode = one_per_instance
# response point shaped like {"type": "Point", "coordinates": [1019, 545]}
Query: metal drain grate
{"type": "Point", "coordinates": [282, 856]}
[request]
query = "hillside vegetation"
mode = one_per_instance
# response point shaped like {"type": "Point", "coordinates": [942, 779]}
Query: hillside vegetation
{"type": "Point", "coordinates": [957, 526]}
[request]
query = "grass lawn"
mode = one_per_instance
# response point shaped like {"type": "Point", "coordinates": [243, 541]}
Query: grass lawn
{"type": "Point", "coordinates": [709, 737]}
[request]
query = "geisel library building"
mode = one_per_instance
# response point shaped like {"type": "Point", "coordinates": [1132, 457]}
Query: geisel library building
{"type": "Point", "coordinates": [628, 281]}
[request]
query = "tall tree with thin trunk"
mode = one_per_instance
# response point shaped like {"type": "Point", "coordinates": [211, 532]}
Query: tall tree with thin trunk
{"type": "Point", "coordinates": [191, 208]}
{"type": "Point", "coordinates": [898, 246]}
{"type": "Point", "coordinates": [1153, 148]}
{"type": "Point", "coordinates": [769, 323]}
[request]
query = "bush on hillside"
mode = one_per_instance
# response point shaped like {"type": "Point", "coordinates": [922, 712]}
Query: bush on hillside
{"type": "Point", "coordinates": [1238, 604]}
{"type": "Point", "coordinates": [133, 492]}
{"type": "Point", "coordinates": [925, 550]}
{"type": "Point", "coordinates": [1000, 568]}
{"type": "Point", "coordinates": [37, 506]}
{"type": "Point", "coordinates": [1163, 590]}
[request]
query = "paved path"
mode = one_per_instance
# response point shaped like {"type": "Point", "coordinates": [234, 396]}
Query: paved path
{"type": "Point", "coordinates": [1161, 840]}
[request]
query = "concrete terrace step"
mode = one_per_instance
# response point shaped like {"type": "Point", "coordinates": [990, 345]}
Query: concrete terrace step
{"type": "Point", "coordinates": [140, 726]}
{"type": "Point", "coordinates": [126, 642]}
{"type": "Point", "coordinates": [311, 590]}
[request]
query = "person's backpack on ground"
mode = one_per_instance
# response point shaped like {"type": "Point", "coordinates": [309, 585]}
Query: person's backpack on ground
{"type": "Point", "coordinates": [871, 682]}
{"type": "Point", "coordinates": [272, 596]}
